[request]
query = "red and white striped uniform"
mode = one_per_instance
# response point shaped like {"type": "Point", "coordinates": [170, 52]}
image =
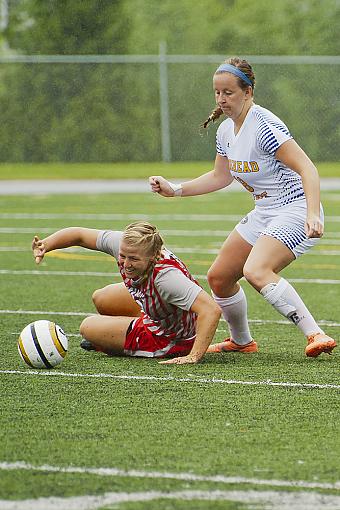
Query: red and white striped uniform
{"type": "Point", "coordinates": [165, 297]}
{"type": "Point", "coordinates": [160, 315]}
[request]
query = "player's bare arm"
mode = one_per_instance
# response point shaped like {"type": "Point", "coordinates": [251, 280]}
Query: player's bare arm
{"type": "Point", "coordinates": [208, 316]}
{"type": "Point", "coordinates": [71, 236]}
{"type": "Point", "coordinates": [291, 154]}
{"type": "Point", "coordinates": [214, 180]}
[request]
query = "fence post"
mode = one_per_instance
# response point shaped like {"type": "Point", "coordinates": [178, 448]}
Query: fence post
{"type": "Point", "coordinates": [164, 103]}
{"type": "Point", "coordinates": [3, 14]}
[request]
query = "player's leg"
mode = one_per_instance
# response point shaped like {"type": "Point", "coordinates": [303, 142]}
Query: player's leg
{"type": "Point", "coordinates": [115, 300]}
{"type": "Point", "coordinates": [227, 269]}
{"type": "Point", "coordinates": [267, 258]}
{"type": "Point", "coordinates": [105, 333]}
{"type": "Point", "coordinates": [223, 279]}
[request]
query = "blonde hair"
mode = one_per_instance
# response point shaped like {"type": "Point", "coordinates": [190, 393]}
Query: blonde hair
{"type": "Point", "coordinates": [143, 234]}
{"type": "Point", "coordinates": [246, 68]}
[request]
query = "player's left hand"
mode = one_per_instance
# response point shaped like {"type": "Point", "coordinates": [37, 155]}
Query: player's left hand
{"type": "Point", "coordinates": [38, 249]}
{"type": "Point", "coordinates": [314, 227]}
{"type": "Point", "coordinates": [181, 361]}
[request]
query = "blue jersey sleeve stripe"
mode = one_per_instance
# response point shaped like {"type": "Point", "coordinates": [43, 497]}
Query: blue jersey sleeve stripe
{"type": "Point", "coordinates": [219, 149]}
{"type": "Point", "coordinates": [267, 140]}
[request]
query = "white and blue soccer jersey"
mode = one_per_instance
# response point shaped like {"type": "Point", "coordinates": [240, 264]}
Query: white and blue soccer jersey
{"type": "Point", "coordinates": [252, 161]}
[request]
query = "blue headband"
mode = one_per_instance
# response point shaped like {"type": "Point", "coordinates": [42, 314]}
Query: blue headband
{"type": "Point", "coordinates": [236, 71]}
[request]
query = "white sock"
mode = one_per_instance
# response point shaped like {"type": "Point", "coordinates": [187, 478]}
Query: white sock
{"type": "Point", "coordinates": [234, 311]}
{"type": "Point", "coordinates": [284, 298]}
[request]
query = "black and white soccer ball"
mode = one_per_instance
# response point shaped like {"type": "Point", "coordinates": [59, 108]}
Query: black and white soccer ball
{"type": "Point", "coordinates": [42, 344]}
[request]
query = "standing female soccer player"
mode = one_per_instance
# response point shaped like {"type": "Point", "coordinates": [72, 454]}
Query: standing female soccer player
{"type": "Point", "coordinates": [159, 309]}
{"type": "Point", "coordinates": [255, 148]}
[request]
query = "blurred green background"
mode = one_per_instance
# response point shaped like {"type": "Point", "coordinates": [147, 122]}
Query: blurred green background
{"type": "Point", "coordinates": [110, 112]}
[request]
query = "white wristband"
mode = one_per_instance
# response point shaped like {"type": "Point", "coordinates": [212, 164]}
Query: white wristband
{"type": "Point", "coordinates": [176, 188]}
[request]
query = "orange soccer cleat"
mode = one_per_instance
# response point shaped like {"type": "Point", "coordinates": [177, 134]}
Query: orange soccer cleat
{"type": "Point", "coordinates": [230, 346]}
{"type": "Point", "coordinates": [318, 343]}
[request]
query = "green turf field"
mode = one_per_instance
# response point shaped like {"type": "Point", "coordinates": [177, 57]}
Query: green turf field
{"type": "Point", "coordinates": [131, 170]}
{"type": "Point", "coordinates": [225, 434]}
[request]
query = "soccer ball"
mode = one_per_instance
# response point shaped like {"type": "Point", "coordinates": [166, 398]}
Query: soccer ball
{"type": "Point", "coordinates": [42, 344]}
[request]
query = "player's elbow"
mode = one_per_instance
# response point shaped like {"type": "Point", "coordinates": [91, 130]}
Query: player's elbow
{"type": "Point", "coordinates": [206, 308]}
{"type": "Point", "coordinates": [214, 311]}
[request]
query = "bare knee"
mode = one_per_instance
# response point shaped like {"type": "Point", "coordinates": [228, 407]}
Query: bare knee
{"type": "Point", "coordinates": [255, 275]}
{"type": "Point", "coordinates": [220, 284]}
{"type": "Point", "coordinates": [99, 301]}
{"type": "Point", "coordinates": [85, 328]}
{"type": "Point", "coordinates": [214, 282]}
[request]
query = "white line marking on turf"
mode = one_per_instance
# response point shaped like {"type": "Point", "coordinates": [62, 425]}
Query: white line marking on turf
{"type": "Point", "coordinates": [152, 378]}
{"type": "Point", "coordinates": [327, 239]}
{"type": "Point", "coordinates": [215, 251]}
{"type": "Point", "coordinates": [272, 500]}
{"type": "Point", "coordinates": [111, 275]}
{"type": "Point", "coordinates": [165, 232]}
{"type": "Point", "coordinates": [14, 248]}
{"type": "Point", "coordinates": [179, 249]}
{"type": "Point", "coordinates": [330, 324]}
{"type": "Point", "coordinates": [78, 335]}
{"type": "Point", "coordinates": [147, 217]}
{"type": "Point", "coordinates": [86, 314]}
{"type": "Point", "coordinates": [190, 477]}
{"type": "Point", "coordinates": [40, 312]}
{"type": "Point", "coordinates": [57, 273]}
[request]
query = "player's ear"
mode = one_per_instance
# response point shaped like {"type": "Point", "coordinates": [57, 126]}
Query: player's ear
{"type": "Point", "coordinates": [249, 92]}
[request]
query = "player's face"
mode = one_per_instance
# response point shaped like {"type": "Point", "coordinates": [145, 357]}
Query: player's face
{"type": "Point", "coordinates": [229, 96]}
{"type": "Point", "coordinates": [134, 261]}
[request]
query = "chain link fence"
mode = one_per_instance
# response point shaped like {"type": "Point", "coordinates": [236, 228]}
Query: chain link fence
{"type": "Point", "coordinates": [150, 107]}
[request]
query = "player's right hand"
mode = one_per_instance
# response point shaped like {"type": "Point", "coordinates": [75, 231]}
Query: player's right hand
{"type": "Point", "coordinates": [38, 248]}
{"type": "Point", "coordinates": [161, 186]}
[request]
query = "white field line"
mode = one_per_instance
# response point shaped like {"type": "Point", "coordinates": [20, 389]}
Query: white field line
{"type": "Point", "coordinates": [57, 273]}
{"type": "Point", "coordinates": [169, 233]}
{"type": "Point", "coordinates": [176, 233]}
{"type": "Point", "coordinates": [173, 232]}
{"type": "Point", "coordinates": [190, 477]}
{"type": "Point", "coordinates": [14, 248]}
{"type": "Point", "coordinates": [152, 378]}
{"type": "Point", "coordinates": [271, 500]}
{"type": "Point", "coordinates": [268, 500]}
{"type": "Point", "coordinates": [330, 324]}
{"type": "Point", "coordinates": [215, 251]}
{"type": "Point", "coordinates": [288, 323]}
{"type": "Point", "coordinates": [178, 249]}
{"type": "Point", "coordinates": [147, 217]}
{"type": "Point", "coordinates": [119, 217]}
{"type": "Point", "coordinates": [41, 312]}
{"type": "Point", "coordinates": [111, 275]}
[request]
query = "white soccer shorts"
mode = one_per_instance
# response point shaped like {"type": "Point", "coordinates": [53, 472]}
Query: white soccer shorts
{"type": "Point", "coordinates": [287, 224]}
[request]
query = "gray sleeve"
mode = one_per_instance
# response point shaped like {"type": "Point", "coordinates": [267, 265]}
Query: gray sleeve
{"type": "Point", "coordinates": [108, 241]}
{"type": "Point", "coordinates": [175, 288]}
